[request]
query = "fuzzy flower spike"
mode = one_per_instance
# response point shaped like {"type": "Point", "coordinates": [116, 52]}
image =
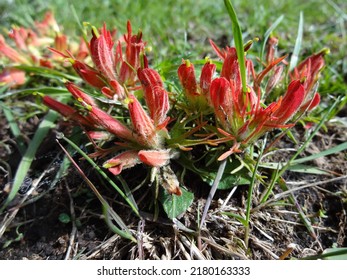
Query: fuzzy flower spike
{"type": "Point", "coordinates": [141, 142]}
{"type": "Point", "coordinates": [243, 117]}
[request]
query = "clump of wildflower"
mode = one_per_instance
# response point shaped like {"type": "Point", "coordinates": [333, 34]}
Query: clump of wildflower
{"type": "Point", "coordinates": [243, 117]}
{"type": "Point", "coordinates": [29, 47]}
{"type": "Point", "coordinates": [115, 63]}
{"type": "Point", "coordinates": [141, 142]}
{"type": "Point", "coordinates": [118, 73]}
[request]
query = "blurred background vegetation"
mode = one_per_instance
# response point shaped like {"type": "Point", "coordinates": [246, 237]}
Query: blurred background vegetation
{"type": "Point", "coordinates": [182, 27]}
{"type": "Point", "coordinates": [172, 20]}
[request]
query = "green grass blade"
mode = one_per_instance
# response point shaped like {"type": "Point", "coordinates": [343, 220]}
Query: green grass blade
{"type": "Point", "coordinates": [236, 29]}
{"type": "Point", "coordinates": [299, 168]}
{"type": "Point", "coordinates": [269, 189]}
{"type": "Point", "coordinates": [268, 33]}
{"type": "Point", "coordinates": [47, 72]}
{"type": "Point", "coordinates": [302, 168]}
{"type": "Point", "coordinates": [23, 168]}
{"type": "Point", "coordinates": [14, 128]}
{"type": "Point", "coordinates": [237, 217]}
{"type": "Point", "coordinates": [250, 193]}
{"type": "Point", "coordinates": [109, 215]}
{"type": "Point", "coordinates": [128, 191]}
{"type": "Point", "coordinates": [295, 56]}
{"type": "Point", "coordinates": [83, 30]}
{"type": "Point", "coordinates": [64, 165]}
{"type": "Point", "coordinates": [52, 91]}
{"type": "Point", "coordinates": [281, 182]}
{"type": "Point", "coordinates": [333, 150]}
{"type": "Point", "coordinates": [330, 254]}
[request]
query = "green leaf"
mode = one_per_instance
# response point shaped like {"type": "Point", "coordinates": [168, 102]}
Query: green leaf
{"type": "Point", "coordinates": [305, 220]}
{"type": "Point", "coordinates": [238, 217]}
{"type": "Point", "coordinates": [296, 165]}
{"type": "Point", "coordinates": [234, 173]}
{"type": "Point", "coordinates": [333, 150]}
{"type": "Point", "coordinates": [301, 168]}
{"type": "Point", "coordinates": [53, 91]}
{"type": "Point", "coordinates": [109, 213]}
{"type": "Point", "coordinates": [81, 27]}
{"type": "Point", "coordinates": [47, 72]}
{"type": "Point", "coordinates": [127, 197]}
{"type": "Point", "coordinates": [335, 254]}
{"type": "Point", "coordinates": [175, 205]}
{"type": "Point", "coordinates": [330, 254]}
{"type": "Point", "coordinates": [308, 140]}
{"type": "Point", "coordinates": [189, 164]}
{"type": "Point", "coordinates": [295, 56]}
{"type": "Point", "coordinates": [229, 181]}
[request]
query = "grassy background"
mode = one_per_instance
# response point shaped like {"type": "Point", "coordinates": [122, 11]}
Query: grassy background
{"type": "Point", "coordinates": [170, 20]}
{"type": "Point", "coordinates": [181, 28]}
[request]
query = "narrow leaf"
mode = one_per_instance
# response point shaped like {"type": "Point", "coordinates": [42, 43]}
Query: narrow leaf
{"type": "Point", "coordinates": [298, 207]}
{"type": "Point", "coordinates": [333, 150]}
{"type": "Point", "coordinates": [308, 140]}
{"type": "Point", "coordinates": [47, 72]}
{"type": "Point", "coordinates": [109, 213]}
{"type": "Point", "coordinates": [236, 29]}
{"type": "Point", "coordinates": [237, 217]}
{"type": "Point", "coordinates": [298, 42]}
{"type": "Point", "coordinates": [330, 254]}
{"type": "Point", "coordinates": [14, 128]}
{"type": "Point", "coordinates": [213, 190]}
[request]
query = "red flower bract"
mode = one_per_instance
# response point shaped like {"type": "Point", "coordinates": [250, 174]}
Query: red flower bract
{"type": "Point", "coordinates": [243, 116]}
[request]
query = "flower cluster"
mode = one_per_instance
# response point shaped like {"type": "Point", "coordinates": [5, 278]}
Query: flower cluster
{"type": "Point", "coordinates": [143, 139]}
{"type": "Point", "coordinates": [119, 71]}
{"type": "Point", "coordinates": [30, 48]}
{"type": "Point", "coordinates": [242, 115]}
{"type": "Point", "coordinates": [115, 64]}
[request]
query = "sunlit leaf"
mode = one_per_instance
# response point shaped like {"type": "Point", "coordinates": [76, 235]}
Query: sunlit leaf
{"type": "Point", "coordinates": [175, 205]}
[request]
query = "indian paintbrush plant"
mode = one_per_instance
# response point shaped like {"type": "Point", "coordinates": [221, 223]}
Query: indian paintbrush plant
{"type": "Point", "coordinates": [130, 117]}
{"type": "Point", "coordinates": [119, 75]}
{"type": "Point", "coordinates": [243, 117]}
